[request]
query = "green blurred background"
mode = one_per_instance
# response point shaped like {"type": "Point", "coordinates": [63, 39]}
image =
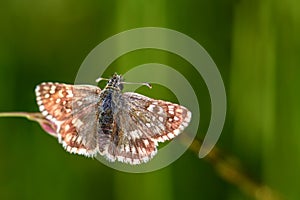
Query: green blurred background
{"type": "Point", "coordinates": [255, 44]}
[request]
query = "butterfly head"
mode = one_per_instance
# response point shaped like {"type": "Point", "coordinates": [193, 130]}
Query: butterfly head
{"type": "Point", "coordinates": [115, 82]}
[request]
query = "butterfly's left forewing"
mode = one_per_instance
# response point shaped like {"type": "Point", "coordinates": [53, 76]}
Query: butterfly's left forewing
{"type": "Point", "coordinates": [73, 109]}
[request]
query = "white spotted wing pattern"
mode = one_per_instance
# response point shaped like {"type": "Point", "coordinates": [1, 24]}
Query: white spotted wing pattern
{"type": "Point", "coordinates": [123, 127]}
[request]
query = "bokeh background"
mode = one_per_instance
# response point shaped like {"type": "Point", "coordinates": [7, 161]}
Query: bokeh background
{"type": "Point", "coordinates": [255, 44]}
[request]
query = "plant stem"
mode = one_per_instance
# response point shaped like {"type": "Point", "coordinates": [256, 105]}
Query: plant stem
{"type": "Point", "coordinates": [230, 169]}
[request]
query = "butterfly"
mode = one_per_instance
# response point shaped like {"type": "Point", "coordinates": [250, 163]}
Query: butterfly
{"type": "Point", "coordinates": [124, 127]}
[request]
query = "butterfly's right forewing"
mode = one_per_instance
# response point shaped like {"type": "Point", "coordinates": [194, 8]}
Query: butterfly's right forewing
{"type": "Point", "coordinates": [139, 124]}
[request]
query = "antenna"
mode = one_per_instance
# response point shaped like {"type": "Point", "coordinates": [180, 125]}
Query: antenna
{"type": "Point", "coordinates": [125, 82]}
{"type": "Point", "coordinates": [139, 83]}
{"type": "Point", "coordinates": [101, 79]}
